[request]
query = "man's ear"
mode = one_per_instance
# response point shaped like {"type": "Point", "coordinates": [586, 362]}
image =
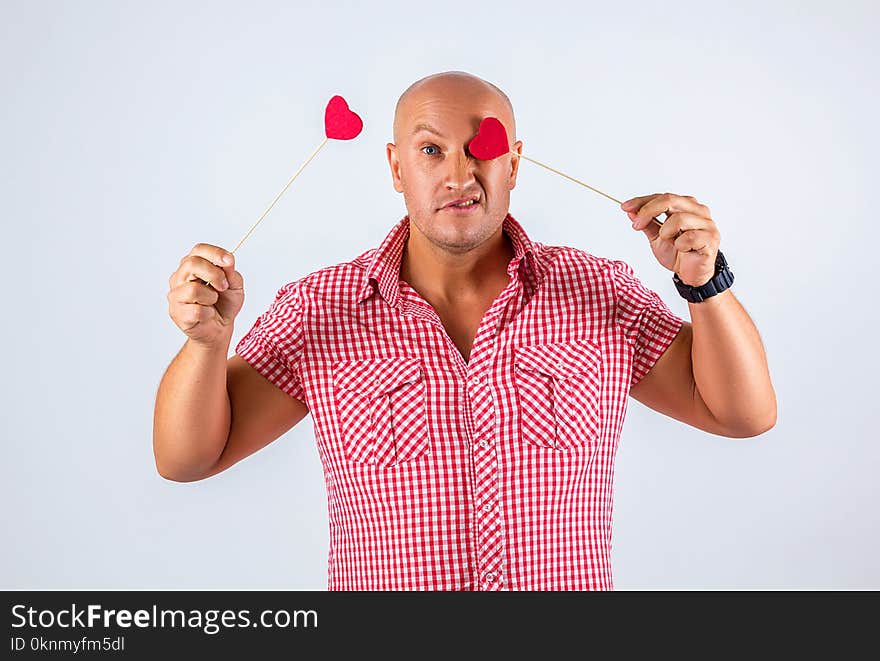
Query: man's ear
{"type": "Point", "coordinates": [394, 162]}
{"type": "Point", "coordinates": [514, 165]}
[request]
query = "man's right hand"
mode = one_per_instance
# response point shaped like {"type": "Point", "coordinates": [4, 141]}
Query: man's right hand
{"type": "Point", "coordinates": [205, 313]}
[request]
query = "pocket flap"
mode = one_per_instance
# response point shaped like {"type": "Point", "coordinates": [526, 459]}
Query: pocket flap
{"type": "Point", "coordinates": [559, 359]}
{"type": "Point", "coordinates": [376, 376]}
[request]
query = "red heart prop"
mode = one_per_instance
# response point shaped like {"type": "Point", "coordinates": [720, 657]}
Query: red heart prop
{"type": "Point", "coordinates": [340, 123]}
{"type": "Point", "coordinates": [490, 141]}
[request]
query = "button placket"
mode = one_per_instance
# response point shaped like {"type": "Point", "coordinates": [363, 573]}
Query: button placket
{"type": "Point", "coordinates": [489, 542]}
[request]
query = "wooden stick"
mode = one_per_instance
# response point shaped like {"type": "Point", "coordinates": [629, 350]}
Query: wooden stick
{"type": "Point", "coordinates": [277, 197]}
{"type": "Point", "coordinates": [577, 181]}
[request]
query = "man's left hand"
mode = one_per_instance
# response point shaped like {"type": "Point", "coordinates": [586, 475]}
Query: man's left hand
{"type": "Point", "coordinates": [687, 243]}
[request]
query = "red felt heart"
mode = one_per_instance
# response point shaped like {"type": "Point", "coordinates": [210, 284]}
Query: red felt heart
{"type": "Point", "coordinates": [340, 123]}
{"type": "Point", "coordinates": [490, 141]}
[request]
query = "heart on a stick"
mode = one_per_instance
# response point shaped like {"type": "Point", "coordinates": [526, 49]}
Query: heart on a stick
{"type": "Point", "coordinates": [490, 141]}
{"type": "Point", "coordinates": [340, 123]}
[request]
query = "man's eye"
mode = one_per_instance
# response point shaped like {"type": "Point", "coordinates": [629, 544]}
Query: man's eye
{"type": "Point", "coordinates": [431, 147]}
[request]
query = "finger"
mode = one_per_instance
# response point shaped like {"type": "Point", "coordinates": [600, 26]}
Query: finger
{"type": "Point", "coordinates": [235, 279]}
{"type": "Point", "coordinates": [680, 222]}
{"type": "Point", "coordinates": [195, 292]}
{"type": "Point", "coordinates": [213, 254]}
{"type": "Point", "coordinates": [191, 315]}
{"type": "Point", "coordinates": [653, 221]}
{"type": "Point", "coordinates": [698, 241]}
{"type": "Point", "coordinates": [651, 230]}
{"type": "Point", "coordinates": [633, 206]}
{"type": "Point", "coordinates": [198, 268]}
{"type": "Point", "coordinates": [635, 203]}
{"type": "Point", "coordinates": [228, 270]}
{"type": "Point", "coordinates": [667, 203]}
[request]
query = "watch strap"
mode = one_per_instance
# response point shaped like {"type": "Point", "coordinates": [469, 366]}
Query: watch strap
{"type": "Point", "coordinates": [719, 282]}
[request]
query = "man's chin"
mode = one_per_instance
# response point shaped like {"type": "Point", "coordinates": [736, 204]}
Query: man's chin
{"type": "Point", "coordinates": [457, 236]}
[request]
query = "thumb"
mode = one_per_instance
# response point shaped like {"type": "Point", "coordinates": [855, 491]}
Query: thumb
{"type": "Point", "coordinates": [651, 230]}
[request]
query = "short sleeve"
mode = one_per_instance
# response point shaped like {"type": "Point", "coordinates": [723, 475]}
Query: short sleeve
{"type": "Point", "coordinates": [648, 324]}
{"type": "Point", "coordinates": [274, 344]}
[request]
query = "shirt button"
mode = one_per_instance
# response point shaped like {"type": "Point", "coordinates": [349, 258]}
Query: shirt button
{"type": "Point", "coordinates": [487, 507]}
{"type": "Point", "coordinates": [484, 444]}
{"type": "Point", "coordinates": [489, 576]}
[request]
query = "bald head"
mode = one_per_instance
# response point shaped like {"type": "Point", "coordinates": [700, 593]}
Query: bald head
{"type": "Point", "coordinates": [452, 84]}
{"type": "Point", "coordinates": [435, 120]}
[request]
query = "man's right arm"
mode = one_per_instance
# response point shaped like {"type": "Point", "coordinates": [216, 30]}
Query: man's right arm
{"type": "Point", "coordinates": [192, 417]}
{"type": "Point", "coordinates": [212, 412]}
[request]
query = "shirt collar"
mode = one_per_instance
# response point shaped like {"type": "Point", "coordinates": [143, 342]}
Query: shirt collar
{"type": "Point", "coordinates": [383, 268]}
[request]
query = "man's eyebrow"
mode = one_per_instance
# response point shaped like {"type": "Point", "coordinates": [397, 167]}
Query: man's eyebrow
{"type": "Point", "coordinates": [427, 127]}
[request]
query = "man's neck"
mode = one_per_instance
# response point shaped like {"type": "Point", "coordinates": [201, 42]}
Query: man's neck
{"type": "Point", "coordinates": [439, 275]}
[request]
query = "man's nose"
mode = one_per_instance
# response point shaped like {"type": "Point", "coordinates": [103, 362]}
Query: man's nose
{"type": "Point", "coordinates": [460, 173]}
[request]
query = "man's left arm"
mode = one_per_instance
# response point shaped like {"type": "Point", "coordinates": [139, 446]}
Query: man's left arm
{"type": "Point", "coordinates": [714, 375]}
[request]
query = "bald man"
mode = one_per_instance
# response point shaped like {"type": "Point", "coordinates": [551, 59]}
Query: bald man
{"type": "Point", "coordinates": [468, 385]}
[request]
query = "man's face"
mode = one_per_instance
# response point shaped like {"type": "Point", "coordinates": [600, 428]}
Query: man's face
{"type": "Point", "coordinates": [431, 166]}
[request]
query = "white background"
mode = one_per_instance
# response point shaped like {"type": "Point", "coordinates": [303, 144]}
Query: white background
{"type": "Point", "coordinates": [132, 130]}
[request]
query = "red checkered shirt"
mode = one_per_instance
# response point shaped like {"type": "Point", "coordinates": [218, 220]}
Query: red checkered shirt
{"type": "Point", "coordinates": [491, 474]}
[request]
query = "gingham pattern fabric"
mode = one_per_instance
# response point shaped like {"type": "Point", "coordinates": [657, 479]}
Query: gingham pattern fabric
{"type": "Point", "coordinates": [491, 474]}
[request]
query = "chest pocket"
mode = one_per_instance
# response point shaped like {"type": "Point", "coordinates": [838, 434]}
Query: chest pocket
{"type": "Point", "coordinates": [558, 387]}
{"type": "Point", "coordinates": [381, 409]}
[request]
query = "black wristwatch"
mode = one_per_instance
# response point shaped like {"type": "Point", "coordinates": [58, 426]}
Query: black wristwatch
{"type": "Point", "coordinates": [722, 280]}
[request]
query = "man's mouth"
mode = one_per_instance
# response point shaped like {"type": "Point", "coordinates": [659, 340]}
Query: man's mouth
{"type": "Point", "coordinates": [463, 203]}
